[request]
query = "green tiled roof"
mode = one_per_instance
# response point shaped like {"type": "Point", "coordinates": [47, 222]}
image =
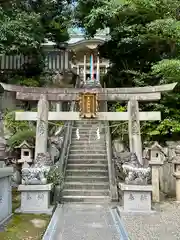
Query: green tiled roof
{"type": "Point", "coordinates": [79, 31]}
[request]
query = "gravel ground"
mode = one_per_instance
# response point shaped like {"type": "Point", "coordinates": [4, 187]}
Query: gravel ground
{"type": "Point", "coordinates": [164, 224]}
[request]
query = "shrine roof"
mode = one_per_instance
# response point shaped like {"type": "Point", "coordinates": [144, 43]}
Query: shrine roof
{"type": "Point", "coordinates": [130, 90]}
{"type": "Point", "coordinates": [77, 35]}
{"type": "Point", "coordinates": [25, 144]}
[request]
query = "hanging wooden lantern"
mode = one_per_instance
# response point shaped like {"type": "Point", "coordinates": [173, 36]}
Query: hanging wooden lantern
{"type": "Point", "coordinates": [88, 105]}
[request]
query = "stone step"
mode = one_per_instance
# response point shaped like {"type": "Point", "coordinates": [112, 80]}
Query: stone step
{"type": "Point", "coordinates": [78, 172]}
{"type": "Point", "coordinates": [88, 122]}
{"type": "Point", "coordinates": [87, 161]}
{"type": "Point", "coordinates": [85, 156]}
{"type": "Point", "coordinates": [86, 199]}
{"type": "Point", "coordinates": [88, 139]}
{"type": "Point", "coordinates": [90, 147]}
{"type": "Point", "coordinates": [87, 179]}
{"type": "Point", "coordinates": [85, 192]}
{"type": "Point", "coordinates": [84, 131]}
{"type": "Point", "coordinates": [88, 135]}
{"type": "Point", "coordinates": [79, 123]}
{"type": "Point", "coordinates": [84, 186]}
{"type": "Point", "coordinates": [87, 166]}
{"type": "Point", "coordinates": [87, 151]}
{"type": "Point", "coordinates": [88, 128]}
{"type": "Point", "coordinates": [88, 143]}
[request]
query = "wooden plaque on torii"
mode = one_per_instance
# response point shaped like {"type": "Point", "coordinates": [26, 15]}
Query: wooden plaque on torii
{"type": "Point", "coordinates": [88, 105]}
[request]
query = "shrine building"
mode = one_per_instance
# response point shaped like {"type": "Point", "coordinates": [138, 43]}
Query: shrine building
{"type": "Point", "coordinates": [78, 54]}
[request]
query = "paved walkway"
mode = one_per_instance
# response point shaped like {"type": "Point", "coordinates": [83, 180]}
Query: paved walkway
{"type": "Point", "coordinates": [164, 224]}
{"type": "Point", "coordinates": [83, 222]}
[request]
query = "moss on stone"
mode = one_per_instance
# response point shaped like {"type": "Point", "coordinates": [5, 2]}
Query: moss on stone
{"type": "Point", "coordinates": [21, 227]}
{"type": "Point", "coordinates": [24, 226]}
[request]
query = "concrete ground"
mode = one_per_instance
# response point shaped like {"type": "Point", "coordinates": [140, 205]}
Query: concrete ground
{"type": "Point", "coordinates": [82, 222]}
{"type": "Point", "coordinates": [164, 224]}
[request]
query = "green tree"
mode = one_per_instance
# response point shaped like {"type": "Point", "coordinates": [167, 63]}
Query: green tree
{"type": "Point", "coordinates": [144, 49]}
{"type": "Point", "coordinates": [25, 25]}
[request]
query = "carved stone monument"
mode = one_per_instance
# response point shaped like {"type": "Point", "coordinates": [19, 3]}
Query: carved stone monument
{"type": "Point", "coordinates": [136, 198]}
{"type": "Point", "coordinates": [35, 199]}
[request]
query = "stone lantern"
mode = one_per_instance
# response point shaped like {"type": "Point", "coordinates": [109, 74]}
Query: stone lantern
{"type": "Point", "coordinates": [156, 153]}
{"type": "Point", "coordinates": [157, 156]}
{"type": "Point", "coordinates": [176, 174]}
{"type": "Point", "coordinates": [26, 154]}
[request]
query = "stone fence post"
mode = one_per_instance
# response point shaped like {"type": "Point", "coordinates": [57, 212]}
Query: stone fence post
{"type": "Point", "coordinates": [176, 174]}
{"type": "Point", "coordinates": [155, 166]}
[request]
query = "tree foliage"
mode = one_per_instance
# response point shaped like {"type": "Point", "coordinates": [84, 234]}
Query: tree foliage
{"type": "Point", "coordinates": [144, 49]}
{"type": "Point", "coordinates": [24, 25]}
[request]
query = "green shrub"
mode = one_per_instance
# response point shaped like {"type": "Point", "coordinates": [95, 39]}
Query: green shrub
{"type": "Point", "coordinates": [20, 136]}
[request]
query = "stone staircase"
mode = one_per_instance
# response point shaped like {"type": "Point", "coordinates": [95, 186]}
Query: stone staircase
{"type": "Point", "coordinates": [86, 177]}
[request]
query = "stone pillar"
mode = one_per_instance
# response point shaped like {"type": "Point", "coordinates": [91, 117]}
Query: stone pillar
{"type": "Point", "coordinates": [42, 126]}
{"type": "Point", "coordinates": [84, 67]}
{"type": "Point", "coordinates": [155, 180]}
{"type": "Point", "coordinates": [59, 107]}
{"type": "Point", "coordinates": [78, 70]}
{"type": "Point", "coordinates": [135, 143]}
{"type": "Point", "coordinates": [98, 69]}
{"type": "Point", "coordinates": [176, 174]}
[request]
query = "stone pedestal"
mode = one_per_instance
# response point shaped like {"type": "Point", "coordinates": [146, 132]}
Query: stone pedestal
{"type": "Point", "coordinates": [155, 180]}
{"type": "Point", "coordinates": [136, 198]}
{"type": "Point", "coordinates": [35, 199]}
{"type": "Point", "coordinates": [5, 194]}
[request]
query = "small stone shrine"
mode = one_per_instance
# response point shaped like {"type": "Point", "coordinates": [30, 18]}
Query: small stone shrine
{"type": "Point", "coordinates": [157, 153]}
{"type": "Point", "coordinates": [26, 154]}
